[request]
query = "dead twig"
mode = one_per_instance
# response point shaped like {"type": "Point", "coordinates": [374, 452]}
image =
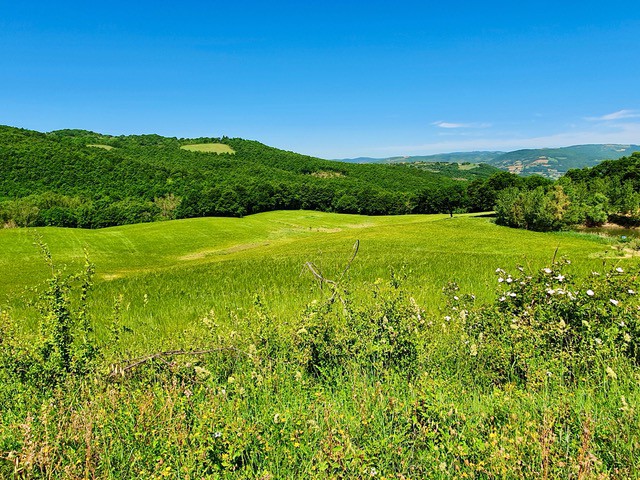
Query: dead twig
{"type": "Point", "coordinates": [315, 271]}
{"type": "Point", "coordinates": [118, 370]}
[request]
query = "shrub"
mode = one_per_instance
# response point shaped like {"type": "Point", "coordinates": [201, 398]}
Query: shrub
{"type": "Point", "coordinates": [549, 322]}
{"type": "Point", "coordinates": [65, 344]}
{"type": "Point", "coordinates": [378, 333]}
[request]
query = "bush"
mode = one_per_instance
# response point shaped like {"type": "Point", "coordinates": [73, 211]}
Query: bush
{"type": "Point", "coordinates": [65, 344]}
{"type": "Point", "coordinates": [378, 333]}
{"type": "Point", "coordinates": [548, 322]}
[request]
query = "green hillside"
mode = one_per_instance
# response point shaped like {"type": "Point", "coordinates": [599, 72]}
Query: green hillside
{"type": "Point", "coordinates": [85, 179]}
{"type": "Point", "coordinates": [454, 157]}
{"type": "Point", "coordinates": [554, 162]}
{"type": "Point", "coordinates": [190, 266]}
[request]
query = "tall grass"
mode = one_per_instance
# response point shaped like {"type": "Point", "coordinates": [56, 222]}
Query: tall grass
{"type": "Point", "coordinates": [383, 375]}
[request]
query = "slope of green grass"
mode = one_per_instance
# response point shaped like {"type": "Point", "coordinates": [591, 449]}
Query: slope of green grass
{"type": "Point", "coordinates": [98, 145]}
{"type": "Point", "coordinates": [172, 273]}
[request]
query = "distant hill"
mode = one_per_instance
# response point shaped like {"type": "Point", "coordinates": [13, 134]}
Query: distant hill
{"type": "Point", "coordinates": [455, 157]}
{"type": "Point", "coordinates": [547, 162]}
{"type": "Point", "coordinates": [555, 162]}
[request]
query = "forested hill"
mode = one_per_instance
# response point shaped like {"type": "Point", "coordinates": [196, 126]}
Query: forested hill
{"type": "Point", "coordinates": [86, 179]}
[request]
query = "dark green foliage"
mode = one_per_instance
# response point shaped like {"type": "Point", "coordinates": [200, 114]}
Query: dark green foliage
{"type": "Point", "coordinates": [383, 332]}
{"type": "Point", "coordinates": [549, 321]}
{"type": "Point", "coordinates": [68, 178]}
{"type": "Point", "coordinates": [590, 196]}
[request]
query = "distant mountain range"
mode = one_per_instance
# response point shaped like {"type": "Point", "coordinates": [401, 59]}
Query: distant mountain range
{"type": "Point", "coordinates": [547, 162]}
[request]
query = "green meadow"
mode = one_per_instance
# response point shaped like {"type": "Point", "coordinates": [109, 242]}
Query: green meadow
{"type": "Point", "coordinates": [188, 267]}
{"type": "Point", "coordinates": [208, 349]}
{"type": "Point", "coordinates": [208, 148]}
{"type": "Point", "coordinates": [98, 145]}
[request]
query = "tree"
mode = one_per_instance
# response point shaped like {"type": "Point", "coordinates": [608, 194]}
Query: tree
{"type": "Point", "coordinates": [448, 199]}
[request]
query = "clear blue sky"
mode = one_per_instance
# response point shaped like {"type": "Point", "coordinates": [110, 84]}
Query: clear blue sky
{"type": "Point", "coordinates": [332, 78]}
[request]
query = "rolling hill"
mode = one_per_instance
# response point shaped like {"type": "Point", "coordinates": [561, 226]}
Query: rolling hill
{"type": "Point", "coordinates": [78, 178]}
{"type": "Point", "coordinates": [547, 162]}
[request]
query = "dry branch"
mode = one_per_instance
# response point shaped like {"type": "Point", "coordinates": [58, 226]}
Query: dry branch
{"type": "Point", "coordinates": [118, 370]}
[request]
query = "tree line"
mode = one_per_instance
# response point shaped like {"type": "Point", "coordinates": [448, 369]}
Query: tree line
{"type": "Point", "coordinates": [588, 196]}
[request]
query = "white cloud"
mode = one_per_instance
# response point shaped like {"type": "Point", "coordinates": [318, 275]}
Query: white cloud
{"type": "Point", "coordinates": [619, 115]}
{"type": "Point", "coordinates": [461, 125]}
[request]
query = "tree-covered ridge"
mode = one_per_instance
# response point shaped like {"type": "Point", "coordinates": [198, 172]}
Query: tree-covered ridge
{"type": "Point", "coordinates": [61, 178]}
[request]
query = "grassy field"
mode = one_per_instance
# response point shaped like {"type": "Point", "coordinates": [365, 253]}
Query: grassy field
{"type": "Point", "coordinates": [186, 268]}
{"type": "Point", "coordinates": [97, 145]}
{"type": "Point", "coordinates": [382, 376]}
{"type": "Point", "coordinates": [208, 148]}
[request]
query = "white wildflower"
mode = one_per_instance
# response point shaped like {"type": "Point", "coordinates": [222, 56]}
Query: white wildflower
{"type": "Point", "coordinates": [611, 374]}
{"type": "Point", "coordinates": [502, 299]}
{"type": "Point", "coordinates": [560, 277]}
{"type": "Point", "coordinates": [613, 302]}
{"type": "Point", "coordinates": [550, 291]}
{"type": "Point", "coordinates": [631, 292]}
{"type": "Point", "coordinates": [509, 280]}
{"type": "Point", "coordinates": [590, 293]}
{"type": "Point", "coordinates": [511, 294]}
{"type": "Point", "coordinates": [547, 270]}
{"type": "Point", "coordinates": [500, 280]}
{"type": "Point", "coordinates": [619, 270]}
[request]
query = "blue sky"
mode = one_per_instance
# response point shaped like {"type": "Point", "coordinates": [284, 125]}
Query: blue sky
{"type": "Point", "coordinates": [333, 78]}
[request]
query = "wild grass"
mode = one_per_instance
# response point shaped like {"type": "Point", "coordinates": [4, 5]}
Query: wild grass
{"type": "Point", "coordinates": [171, 274]}
{"type": "Point", "coordinates": [380, 376]}
{"type": "Point", "coordinates": [208, 148]}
